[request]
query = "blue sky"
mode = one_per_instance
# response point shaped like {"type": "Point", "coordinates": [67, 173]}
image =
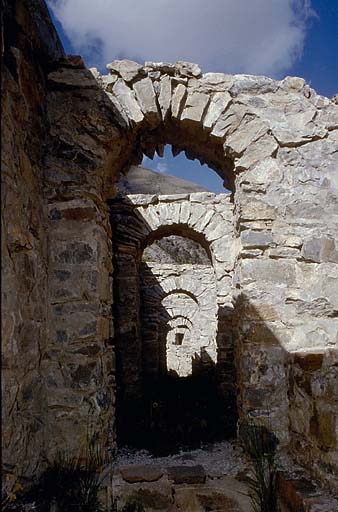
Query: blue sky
{"type": "Point", "coordinates": [271, 37]}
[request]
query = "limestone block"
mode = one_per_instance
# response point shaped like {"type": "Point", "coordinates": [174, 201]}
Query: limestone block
{"type": "Point", "coordinates": [185, 211]}
{"type": "Point", "coordinates": [177, 102]}
{"type": "Point", "coordinates": [170, 213]}
{"type": "Point", "coordinates": [108, 82]}
{"type": "Point", "coordinates": [253, 209]}
{"type": "Point", "coordinates": [121, 114]}
{"type": "Point", "coordinates": [225, 250]}
{"type": "Point", "coordinates": [146, 97]}
{"type": "Point", "coordinates": [278, 272]}
{"type": "Point", "coordinates": [218, 79]}
{"type": "Point", "coordinates": [127, 100]}
{"type": "Point", "coordinates": [164, 97]}
{"type": "Point", "coordinates": [142, 199]}
{"type": "Point", "coordinates": [315, 334]}
{"type": "Point", "coordinates": [197, 212]}
{"type": "Point", "coordinates": [248, 84]}
{"type": "Point", "coordinates": [172, 198]}
{"type": "Point", "coordinates": [320, 249]}
{"type": "Point", "coordinates": [247, 133]}
{"type": "Point", "coordinates": [127, 69]}
{"type": "Point", "coordinates": [188, 69]}
{"type": "Point", "coordinates": [218, 104]}
{"type": "Point", "coordinates": [204, 221]}
{"type": "Point", "coordinates": [215, 228]}
{"type": "Point", "coordinates": [202, 197]}
{"type": "Point", "coordinates": [292, 83]}
{"type": "Point", "coordinates": [151, 217]}
{"type": "Point", "coordinates": [163, 67]}
{"type": "Point", "coordinates": [256, 239]}
{"type": "Point", "coordinates": [265, 147]}
{"type": "Point", "coordinates": [229, 121]}
{"type": "Point", "coordinates": [195, 106]}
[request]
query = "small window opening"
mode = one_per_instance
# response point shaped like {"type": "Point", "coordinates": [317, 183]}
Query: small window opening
{"type": "Point", "coordinates": [179, 338]}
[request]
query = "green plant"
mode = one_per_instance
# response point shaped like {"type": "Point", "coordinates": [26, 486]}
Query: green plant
{"type": "Point", "coordinates": [260, 446]}
{"type": "Point", "coordinates": [68, 485]}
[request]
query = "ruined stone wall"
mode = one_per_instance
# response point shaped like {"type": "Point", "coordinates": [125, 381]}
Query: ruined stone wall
{"type": "Point", "coordinates": [313, 395]}
{"type": "Point", "coordinates": [30, 45]}
{"type": "Point", "coordinates": [66, 138]}
{"type": "Point", "coordinates": [79, 362]}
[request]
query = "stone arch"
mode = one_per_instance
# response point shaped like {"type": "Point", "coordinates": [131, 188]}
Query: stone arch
{"type": "Point", "coordinates": [204, 217]}
{"type": "Point", "coordinates": [196, 113]}
{"type": "Point", "coordinates": [180, 319]}
{"type": "Point", "coordinates": [163, 230]}
{"type": "Point", "coordinates": [174, 290]}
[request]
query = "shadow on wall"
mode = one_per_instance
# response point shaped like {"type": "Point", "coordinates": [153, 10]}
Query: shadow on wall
{"type": "Point", "coordinates": [175, 381]}
{"type": "Point", "coordinates": [253, 379]}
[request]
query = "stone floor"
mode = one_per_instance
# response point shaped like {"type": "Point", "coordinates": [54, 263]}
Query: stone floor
{"type": "Point", "coordinates": [207, 479]}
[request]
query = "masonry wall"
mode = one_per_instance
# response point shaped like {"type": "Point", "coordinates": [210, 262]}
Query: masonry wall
{"type": "Point", "coordinates": [30, 45]}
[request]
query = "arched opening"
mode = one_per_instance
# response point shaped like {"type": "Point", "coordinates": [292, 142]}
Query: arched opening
{"type": "Point", "coordinates": [178, 318]}
{"type": "Point", "coordinates": [176, 164]}
{"type": "Point", "coordinates": [150, 223]}
{"type": "Point", "coordinates": [169, 352]}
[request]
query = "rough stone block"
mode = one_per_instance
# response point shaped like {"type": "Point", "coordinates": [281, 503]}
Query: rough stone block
{"type": "Point", "coordinates": [146, 97]}
{"type": "Point", "coordinates": [186, 474]}
{"type": "Point", "coordinates": [133, 474]}
{"type": "Point", "coordinates": [195, 106]}
{"type": "Point", "coordinates": [126, 98]}
{"type": "Point", "coordinates": [177, 102]}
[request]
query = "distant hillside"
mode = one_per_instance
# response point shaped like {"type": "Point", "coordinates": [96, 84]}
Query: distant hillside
{"type": "Point", "coordinates": [140, 180]}
{"type": "Point", "coordinates": [176, 249]}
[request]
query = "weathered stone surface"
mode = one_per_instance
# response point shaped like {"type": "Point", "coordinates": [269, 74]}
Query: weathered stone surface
{"type": "Point", "coordinates": [177, 101]}
{"type": "Point", "coordinates": [254, 239]}
{"type": "Point", "coordinates": [218, 104]}
{"type": "Point", "coordinates": [186, 474]}
{"type": "Point", "coordinates": [146, 97]}
{"type": "Point", "coordinates": [194, 108]}
{"type": "Point", "coordinates": [127, 100]}
{"type": "Point", "coordinates": [164, 98]}
{"type": "Point", "coordinates": [320, 250]}
{"type": "Point", "coordinates": [133, 474]}
{"type": "Point", "coordinates": [127, 69]}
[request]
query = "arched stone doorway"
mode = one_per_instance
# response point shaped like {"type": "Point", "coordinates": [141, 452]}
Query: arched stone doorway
{"type": "Point", "coordinates": [177, 333]}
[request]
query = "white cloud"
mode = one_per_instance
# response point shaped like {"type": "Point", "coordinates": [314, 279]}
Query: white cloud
{"type": "Point", "coordinates": [162, 167]}
{"type": "Point", "coordinates": [158, 164]}
{"type": "Point", "coordinates": [236, 36]}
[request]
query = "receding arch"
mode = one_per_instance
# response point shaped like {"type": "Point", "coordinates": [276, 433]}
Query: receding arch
{"type": "Point", "coordinates": [181, 318]}
{"type": "Point", "coordinates": [182, 291]}
{"type": "Point", "coordinates": [176, 229]}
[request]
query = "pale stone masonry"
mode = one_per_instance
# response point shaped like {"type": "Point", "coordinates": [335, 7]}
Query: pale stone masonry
{"type": "Point", "coordinates": [68, 134]}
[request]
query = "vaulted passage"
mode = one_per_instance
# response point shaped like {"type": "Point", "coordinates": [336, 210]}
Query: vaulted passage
{"type": "Point", "coordinates": [175, 369]}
